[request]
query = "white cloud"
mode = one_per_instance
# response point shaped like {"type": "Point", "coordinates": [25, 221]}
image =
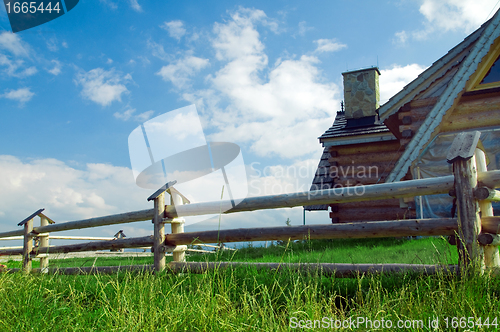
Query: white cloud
{"type": "Point", "coordinates": [179, 73]}
{"type": "Point", "coordinates": [52, 44]}
{"type": "Point", "coordinates": [328, 45]}
{"type": "Point", "coordinates": [303, 28]}
{"type": "Point", "coordinates": [57, 68]}
{"type": "Point", "coordinates": [135, 6]}
{"type": "Point", "coordinates": [129, 114]}
{"type": "Point", "coordinates": [144, 116]}
{"type": "Point", "coordinates": [395, 78]}
{"type": "Point", "coordinates": [110, 4]}
{"type": "Point", "coordinates": [158, 51]}
{"type": "Point", "coordinates": [400, 37]}
{"type": "Point", "coordinates": [450, 15]}
{"type": "Point", "coordinates": [281, 114]}
{"type": "Point", "coordinates": [175, 29]}
{"type": "Point", "coordinates": [101, 86]}
{"type": "Point", "coordinates": [12, 43]}
{"type": "Point", "coordinates": [12, 67]}
{"type": "Point", "coordinates": [66, 193]}
{"type": "Point", "coordinates": [22, 95]}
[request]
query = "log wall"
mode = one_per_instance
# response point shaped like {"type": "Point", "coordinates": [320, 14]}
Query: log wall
{"type": "Point", "coordinates": [365, 164]}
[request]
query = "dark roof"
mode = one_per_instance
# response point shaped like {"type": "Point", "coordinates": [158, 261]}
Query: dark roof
{"type": "Point", "coordinates": [322, 180]}
{"type": "Point", "coordinates": [340, 129]}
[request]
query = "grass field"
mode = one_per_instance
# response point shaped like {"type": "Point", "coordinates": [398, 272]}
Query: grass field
{"type": "Point", "coordinates": [246, 299]}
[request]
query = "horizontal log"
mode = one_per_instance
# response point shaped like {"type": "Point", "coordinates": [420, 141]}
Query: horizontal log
{"type": "Point", "coordinates": [489, 239]}
{"type": "Point", "coordinates": [473, 105]}
{"type": "Point", "coordinates": [409, 188]}
{"type": "Point", "coordinates": [92, 270]}
{"type": "Point", "coordinates": [365, 158]}
{"type": "Point", "coordinates": [411, 127]}
{"type": "Point", "coordinates": [11, 252]}
{"type": "Point", "coordinates": [347, 182]}
{"type": "Point", "coordinates": [426, 102]}
{"type": "Point", "coordinates": [12, 238]}
{"type": "Point", "coordinates": [87, 238]}
{"type": "Point", "coordinates": [114, 219]}
{"type": "Point", "coordinates": [99, 245]}
{"type": "Point", "coordinates": [374, 204]}
{"type": "Point", "coordinates": [398, 228]}
{"type": "Point", "coordinates": [485, 193]}
{"type": "Point", "coordinates": [469, 121]}
{"type": "Point", "coordinates": [490, 179]}
{"type": "Point", "coordinates": [490, 225]}
{"type": "Point", "coordinates": [365, 148]}
{"type": "Point", "coordinates": [339, 270]}
{"type": "Point", "coordinates": [372, 214]}
{"type": "Point", "coordinates": [416, 114]}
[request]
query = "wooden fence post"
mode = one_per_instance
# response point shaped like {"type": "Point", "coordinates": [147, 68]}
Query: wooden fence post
{"type": "Point", "coordinates": [27, 245]}
{"type": "Point", "coordinates": [159, 233]}
{"type": "Point", "coordinates": [28, 240]}
{"type": "Point", "coordinates": [461, 155]}
{"type": "Point", "coordinates": [491, 255]}
{"type": "Point", "coordinates": [159, 248]}
{"type": "Point", "coordinates": [177, 224]}
{"type": "Point", "coordinates": [44, 243]}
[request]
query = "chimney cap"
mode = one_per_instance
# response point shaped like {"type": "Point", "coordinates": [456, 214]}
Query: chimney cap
{"type": "Point", "coordinates": [361, 70]}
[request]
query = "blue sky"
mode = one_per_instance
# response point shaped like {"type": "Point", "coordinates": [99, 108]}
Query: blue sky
{"type": "Point", "coordinates": [263, 74]}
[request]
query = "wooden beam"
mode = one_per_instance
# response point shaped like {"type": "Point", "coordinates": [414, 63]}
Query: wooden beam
{"type": "Point", "coordinates": [487, 239]}
{"type": "Point", "coordinates": [490, 225]}
{"type": "Point", "coordinates": [470, 121]}
{"type": "Point", "coordinates": [471, 105]}
{"type": "Point", "coordinates": [491, 253]}
{"type": "Point", "coordinates": [431, 186]}
{"type": "Point", "coordinates": [489, 179]}
{"type": "Point", "coordinates": [44, 242]}
{"type": "Point", "coordinates": [122, 218]}
{"type": "Point", "coordinates": [485, 193]}
{"type": "Point", "coordinates": [27, 245]}
{"type": "Point", "coordinates": [365, 148]}
{"type": "Point", "coordinates": [365, 158]}
{"type": "Point", "coordinates": [373, 214]}
{"type": "Point", "coordinates": [461, 154]}
{"type": "Point", "coordinates": [409, 188]}
{"type": "Point", "coordinates": [132, 242]}
{"type": "Point", "coordinates": [159, 232]}
{"type": "Point", "coordinates": [339, 270]}
{"type": "Point", "coordinates": [398, 228]}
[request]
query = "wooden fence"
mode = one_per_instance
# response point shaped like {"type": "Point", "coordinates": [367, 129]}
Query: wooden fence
{"type": "Point", "coordinates": [475, 230]}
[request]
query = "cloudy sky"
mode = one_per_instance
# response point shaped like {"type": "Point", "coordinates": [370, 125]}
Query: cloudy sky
{"type": "Point", "coordinates": [265, 75]}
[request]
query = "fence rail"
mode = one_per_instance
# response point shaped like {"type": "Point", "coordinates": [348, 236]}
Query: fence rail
{"type": "Point", "coordinates": [471, 183]}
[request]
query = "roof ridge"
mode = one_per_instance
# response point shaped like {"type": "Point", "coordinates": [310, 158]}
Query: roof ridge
{"type": "Point", "coordinates": [446, 101]}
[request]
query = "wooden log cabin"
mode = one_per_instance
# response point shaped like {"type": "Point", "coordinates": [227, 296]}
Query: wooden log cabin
{"type": "Point", "coordinates": [408, 136]}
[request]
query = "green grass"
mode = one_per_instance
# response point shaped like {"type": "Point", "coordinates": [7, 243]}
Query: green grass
{"type": "Point", "coordinates": [246, 299]}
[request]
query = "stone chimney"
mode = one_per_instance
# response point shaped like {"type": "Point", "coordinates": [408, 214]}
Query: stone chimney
{"type": "Point", "coordinates": [361, 96]}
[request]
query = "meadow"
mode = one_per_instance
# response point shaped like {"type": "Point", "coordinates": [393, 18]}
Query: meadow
{"type": "Point", "coordinates": [246, 299]}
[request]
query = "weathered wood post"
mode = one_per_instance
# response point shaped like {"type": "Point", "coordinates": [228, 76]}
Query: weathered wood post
{"type": "Point", "coordinates": [461, 155]}
{"type": "Point", "coordinates": [44, 243]}
{"type": "Point", "coordinates": [177, 224]}
{"type": "Point", "coordinates": [159, 228]}
{"type": "Point", "coordinates": [491, 255]}
{"type": "Point", "coordinates": [28, 240]}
